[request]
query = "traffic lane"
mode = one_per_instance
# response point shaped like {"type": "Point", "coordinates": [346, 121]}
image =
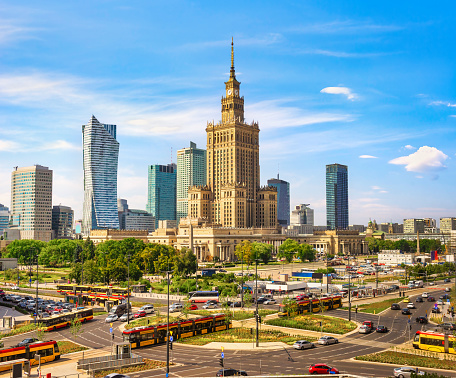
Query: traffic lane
{"type": "Point", "coordinates": [7, 311]}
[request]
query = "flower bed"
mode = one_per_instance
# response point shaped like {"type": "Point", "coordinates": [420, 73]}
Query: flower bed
{"type": "Point", "coordinates": [148, 365]}
{"type": "Point", "coordinates": [236, 315]}
{"type": "Point", "coordinates": [376, 307]}
{"type": "Point", "coordinates": [396, 358]}
{"type": "Point", "coordinates": [312, 323]}
{"type": "Point", "coordinates": [69, 347]}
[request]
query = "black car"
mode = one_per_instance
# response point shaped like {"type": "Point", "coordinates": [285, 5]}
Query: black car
{"type": "Point", "coordinates": [435, 310]}
{"type": "Point", "coordinates": [26, 342]}
{"type": "Point", "coordinates": [419, 299]}
{"type": "Point", "coordinates": [421, 320]}
{"type": "Point", "coordinates": [230, 373]}
{"type": "Point", "coordinates": [431, 299]}
{"type": "Point", "coordinates": [395, 306]}
{"type": "Point", "coordinates": [444, 296]}
{"type": "Point", "coordinates": [7, 298]}
{"type": "Point", "coordinates": [405, 311]}
{"type": "Point", "coordinates": [236, 304]}
{"type": "Point", "coordinates": [447, 326]}
{"type": "Point", "coordinates": [260, 300]}
{"type": "Point", "coordinates": [381, 329]}
{"type": "Point", "coordinates": [447, 280]}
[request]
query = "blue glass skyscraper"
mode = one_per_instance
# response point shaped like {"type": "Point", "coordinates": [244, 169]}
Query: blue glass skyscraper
{"type": "Point", "coordinates": [100, 160]}
{"type": "Point", "coordinates": [283, 200]}
{"type": "Point", "coordinates": [161, 194]}
{"type": "Point", "coordinates": [336, 197]}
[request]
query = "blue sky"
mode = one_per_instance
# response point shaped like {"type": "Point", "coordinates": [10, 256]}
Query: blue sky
{"type": "Point", "coordinates": [366, 84]}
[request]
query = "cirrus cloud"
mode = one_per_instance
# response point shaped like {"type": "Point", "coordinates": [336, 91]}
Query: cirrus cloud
{"type": "Point", "coordinates": [340, 91]}
{"type": "Point", "coordinates": [425, 160]}
{"type": "Point", "coordinates": [368, 157]}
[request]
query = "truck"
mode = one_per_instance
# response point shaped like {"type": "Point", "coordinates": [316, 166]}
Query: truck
{"type": "Point", "coordinates": [419, 283]}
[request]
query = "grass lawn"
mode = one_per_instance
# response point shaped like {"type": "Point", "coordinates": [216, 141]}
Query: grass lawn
{"type": "Point", "coordinates": [149, 320]}
{"type": "Point", "coordinates": [238, 315]}
{"type": "Point", "coordinates": [312, 323]}
{"type": "Point", "coordinates": [19, 330]}
{"type": "Point", "coordinates": [376, 307]}
{"type": "Point", "coordinates": [69, 347]}
{"type": "Point", "coordinates": [149, 365]}
{"type": "Point", "coordinates": [242, 335]}
{"type": "Point", "coordinates": [140, 304]}
{"type": "Point", "coordinates": [402, 359]}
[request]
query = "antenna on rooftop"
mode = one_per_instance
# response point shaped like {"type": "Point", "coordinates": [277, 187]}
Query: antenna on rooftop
{"type": "Point", "coordinates": [278, 170]}
{"type": "Point", "coordinates": [171, 155]}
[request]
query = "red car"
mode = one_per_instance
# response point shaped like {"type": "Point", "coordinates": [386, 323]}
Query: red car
{"type": "Point", "coordinates": [322, 369]}
{"type": "Point", "coordinates": [301, 297]}
{"type": "Point", "coordinates": [140, 314]}
{"type": "Point", "coordinates": [193, 307]}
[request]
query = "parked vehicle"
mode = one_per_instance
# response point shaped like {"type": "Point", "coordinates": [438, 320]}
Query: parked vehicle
{"type": "Point", "coordinates": [406, 372]}
{"type": "Point", "coordinates": [270, 302]}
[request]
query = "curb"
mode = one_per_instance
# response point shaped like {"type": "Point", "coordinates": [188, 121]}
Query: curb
{"type": "Point", "coordinates": [386, 364]}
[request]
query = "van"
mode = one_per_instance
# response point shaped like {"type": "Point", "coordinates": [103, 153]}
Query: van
{"type": "Point", "coordinates": [419, 283]}
{"type": "Point", "coordinates": [267, 296]}
{"type": "Point", "coordinates": [148, 308]}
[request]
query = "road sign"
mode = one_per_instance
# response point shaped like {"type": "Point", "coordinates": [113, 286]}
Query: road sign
{"type": "Point", "coordinates": [110, 324]}
{"type": "Point", "coordinates": [223, 348]}
{"type": "Point", "coordinates": [110, 330]}
{"type": "Point", "coordinates": [223, 355]}
{"type": "Point", "coordinates": [171, 338]}
{"type": "Point", "coordinates": [448, 300]}
{"type": "Point", "coordinates": [436, 305]}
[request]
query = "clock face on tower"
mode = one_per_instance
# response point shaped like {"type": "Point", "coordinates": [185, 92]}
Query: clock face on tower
{"type": "Point", "coordinates": [236, 92]}
{"type": "Point", "coordinates": [229, 92]}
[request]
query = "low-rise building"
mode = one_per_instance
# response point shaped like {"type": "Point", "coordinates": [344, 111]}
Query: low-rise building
{"type": "Point", "coordinates": [395, 257]}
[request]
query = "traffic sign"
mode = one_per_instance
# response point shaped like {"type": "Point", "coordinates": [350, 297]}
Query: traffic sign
{"type": "Point", "coordinates": [448, 300]}
{"type": "Point", "coordinates": [223, 355]}
{"type": "Point", "coordinates": [436, 305]}
{"type": "Point", "coordinates": [110, 330]}
{"type": "Point", "coordinates": [171, 338]}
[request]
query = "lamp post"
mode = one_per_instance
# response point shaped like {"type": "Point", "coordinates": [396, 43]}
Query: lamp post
{"type": "Point", "coordinates": [36, 300]}
{"type": "Point", "coordinates": [167, 323]}
{"type": "Point", "coordinates": [349, 297]}
{"type": "Point", "coordinates": [257, 317]}
{"type": "Point", "coordinates": [242, 279]}
{"type": "Point", "coordinates": [30, 268]}
{"type": "Point", "coordinates": [128, 288]}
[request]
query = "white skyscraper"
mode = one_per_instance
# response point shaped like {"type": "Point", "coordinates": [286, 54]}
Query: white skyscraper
{"type": "Point", "coordinates": [100, 160]}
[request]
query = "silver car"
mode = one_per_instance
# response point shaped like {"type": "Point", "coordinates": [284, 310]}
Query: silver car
{"type": "Point", "coordinates": [303, 344]}
{"type": "Point", "coordinates": [365, 329]}
{"type": "Point", "coordinates": [406, 372]}
{"type": "Point", "coordinates": [326, 340]}
{"type": "Point", "coordinates": [210, 305]}
{"type": "Point", "coordinates": [125, 317]}
{"type": "Point", "coordinates": [112, 318]}
{"type": "Point", "coordinates": [175, 307]}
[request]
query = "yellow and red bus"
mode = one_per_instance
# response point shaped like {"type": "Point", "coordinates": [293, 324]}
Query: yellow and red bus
{"type": "Point", "coordinates": [156, 334]}
{"type": "Point", "coordinates": [65, 319]}
{"type": "Point", "coordinates": [435, 342]}
{"type": "Point", "coordinates": [88, 289]}
{"type": "Point", "coordinates": [313, 305]}
{"type": "Point", "coordinates": [48, 350]}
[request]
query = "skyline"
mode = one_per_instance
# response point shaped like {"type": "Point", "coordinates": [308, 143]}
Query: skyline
{"type": "Point", "coordinates": [358, 85]}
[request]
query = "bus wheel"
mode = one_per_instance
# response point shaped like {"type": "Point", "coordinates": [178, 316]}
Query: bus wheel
{"type": "Point", "coordinates": [84, 320]}
{"type": "Point", "coordinates": [54, 328]}
{"type": "Point", "coordinates": [68, 324]}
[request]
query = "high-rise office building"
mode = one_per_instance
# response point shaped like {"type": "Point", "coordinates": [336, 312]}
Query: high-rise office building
{"type": "Point", "coordinates": [31, 202]}
{"type": "Point", "coordinates": [161, 194]}
{"type": "Point", "coordinates": [191, 171]}
{"type": "Point", "coordinates": [447, 224]}
{"type": "Point", "coordinates": [337, 197]}
{"type": "Point", "coordinates": [4, 218]}
{"type": "Point", "coordinates": [62, 222]}
{"type": "Point", "coordinates": [133, 219]}
{"type": "Point", "coordinates": [413, 225]}
{"type": "Point", "coordinates": [302, 215]}
{"type": "Point", "coordinates": [233, 196]}
{"type": "Point", "coordinates": [100, 160]}
{"type": "Point", "coordinates": [283, 200]}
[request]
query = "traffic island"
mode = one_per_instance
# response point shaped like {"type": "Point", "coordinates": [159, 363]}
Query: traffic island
{"type": "Point", "coordinates": [147, 365]}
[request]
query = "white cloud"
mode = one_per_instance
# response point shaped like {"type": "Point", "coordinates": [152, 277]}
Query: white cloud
{"type": "Point", "coordinates": [409, 147]}
{"type": "Point", "coordinates": [348, 27]}
{"type": "Point", "coordinates": [425, 160]}
{"type": "Point", "coordinates": [8, 145]}
{"type": "Point", "coordinates": [60, 145]}
{"type": "Point", "coordinates": [383, 191]}
{"type": "Point", "coordinates": [340, 91]}
{"type": "Point", "coordinates": [376, 187]}
{"type": "Point", "coordinates": [368, 157]}
{"type": "Point", "coordinates": [444, 103]}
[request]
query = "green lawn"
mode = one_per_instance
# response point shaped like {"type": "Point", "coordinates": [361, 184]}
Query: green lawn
{"type": "Point", "coordinates": [150, 320]}
{"type": "Point", "coordinates": [237, 315]}
{"type": "Point", "coordinates": [69, 347]}
{"type": "Point", "coordinates": [377, 307]}
{"type": "Point", "coordinates": [148, 365]}
{"type": "Point", "coordinates": [312, 323]}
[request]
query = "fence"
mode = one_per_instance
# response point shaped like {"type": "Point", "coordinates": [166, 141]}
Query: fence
{"type": "Point", "coordinates": [108, 362]}
{"type": "Point", "coordinates": [425, 353]}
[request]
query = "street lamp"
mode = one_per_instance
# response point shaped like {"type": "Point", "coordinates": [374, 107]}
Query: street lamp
{"type": "Point", "coordinates": [167, 324]}
{"type": "Point", "coordinates": [257, 317]}
{"type": "Point", "coordinates": [128, 288]}
{"type": "Point", "coordinates": [349, 297]}
{"type": "Point", "coordinates": [36, 300]}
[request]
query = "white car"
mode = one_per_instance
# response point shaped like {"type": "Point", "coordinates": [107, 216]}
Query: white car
{"type": "Point", "coordinates": [406, 372]}
{"type": "Point", "coordinates": [411, 305]}
{"type": "Point", "coordinates": [148, 309]}
{"type": "Point", "coordinates": [425, 295]}
{"type": "Point", "coordinates": [365, 329]}
{"type": "Point", "coordinates": [125, 317]}
{"type": "Point", "coordinates": [326, 340]}
{"type": "Point", "coordinates": [303, 344]}
{"type": "Point", "coordinates": [14, 287]}
{"type": "Point", "coordinates": [210, 305]}
{"type": "Point", "coordinates": [270, 302]}
{"type": "Point", "coordinates": [112, 318]}
{"type": "Point", "coordinates": [175, 307]}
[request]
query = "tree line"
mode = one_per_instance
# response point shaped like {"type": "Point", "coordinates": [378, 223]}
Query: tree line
{"type": "Point", "coordinates": [426, 245]}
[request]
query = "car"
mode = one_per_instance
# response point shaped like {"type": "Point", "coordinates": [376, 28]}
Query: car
{"type": "Point", "coordinates": [125, 317]}
{"type": "Point", "coordinates": [421, 320]}
{"type": "Point", "coordinates": [369, 324]}
{"type": "Point", "coordinates": [322, 369]}
{"type": "Point", "coordinates": [140, 314]}
{"type": "Point", "coordinates": [27, 342]}
{"type": "Point", "coordinates": [302, 297]}
{"type": "Point", "coordinates": [223, 271]}
{"type": "Point", "coordinates": [45, 315]}
{"type": "Point", "coordinates": [447, 289]}
{"type": "Point", "coordinates": [381, 329]}
{"type": "Point", "coordinates": [14, 287]}
{"type": "Point", "coordinates": [193, 307]}
{"type": "Point", "coordinates": [365, 329]}
{"type": "Point", "coordinates": [176, 307]}
{"type": "Point", "coordinates": [419, 300]}
{"type": "Point", "coordinates": [111, 318]}
{"type": "Point", "coordinates": [236, 304]}
{"type": "Point", "coordinates": [431, 283]}
{"type": "Point", "coordinates": [55, 313]}
{"type": "Point", "coordinates": [447, 326]}
{"type": "Point", "coordinates": [395, 306]}
{"type": "Point", "coordinates": [260, 300]}
{"type": "Point", "coordinates": [439, 302]}
{"type": "Point", "coordinates": [405, 311]}
{"type": "Point", "coordinates": [406, 372]}
{"type": "Point", "coordinates": [230, 373]}
{"type": "Point", "coordinates": [411, 305]}
{"type": "Point", "coordinates": [270, 302]}
{"type": "Point", "coordinates": [326, 340]}
{"type": "Point", "coordinates": [425, 295]}
{"type": "Point", "coordinates": [447, 280]}
{"type": "Point", "coordinates": [444, 296]}
{"type": "Point", "coordinates": [406, 300]}
{"type": "Point", "coordinates": [116, 375]}
{"type": "Point", "coordinates": [303, 344]}
{"type": "Point", "coordinates": [7, 298]}
{"type": "Point", "coordinates": [148, 308]}
{"type": "Point", "coordinates": [435, 310]}
{"type": "Point", "coordinates": [65, 310]}
{"type": "Point", "coordinates": [210, 305]}
{"type": "Point", "coordinates": [431, 299]}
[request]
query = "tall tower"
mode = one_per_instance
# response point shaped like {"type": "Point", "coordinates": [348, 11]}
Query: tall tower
{"type": "Point", "coordinates": [100, 160]}
{"type": "Point", "coordinates": [191, 171]}
{"type": "Point", "coordinates": [336, 197]}
{"type": "Point", "coordinates": [233, 168]}
{"type": "Point", "coordinates": [31, 202]}
{"type": "Point", "coordinates": [283, 200]}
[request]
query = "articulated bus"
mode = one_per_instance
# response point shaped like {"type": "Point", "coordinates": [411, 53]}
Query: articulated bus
{"type": "Point", "coordinates": [203, 296]}
{"type": "Point", "coordinates": [314, 305]}
{"type": "Point", "coordinates": [153, 335]}
{"type": "Point", "coordinates": [63, 289]}
{"type": "Point", "coordinates": [87, 289]}
{"type": "Point", "coordinates": [65, 319]}
{"type": "Point", "coordinates": [435, 342]}
{"type": "Point", "coordinates": [48, 350]}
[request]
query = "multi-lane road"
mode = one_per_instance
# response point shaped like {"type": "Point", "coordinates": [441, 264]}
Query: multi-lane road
{"type": "Point", "coordinates": [201, 361]}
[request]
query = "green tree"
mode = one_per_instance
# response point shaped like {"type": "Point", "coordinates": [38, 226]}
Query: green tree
{"type": "Point", "coordinates": [40, 334]}
{"type": "Point", "coordinates": [91, 272]}
{"type": "Point", "coordinates": [290, 306]}
{"type": "Point", "coordinates": [288, 249]}
{"type": "Point", "coordinates": [88, 249]}
{"type": "Point", "coordinates": [165, 260]}
{"type": "Point", "coordinates": [244, 252]}
{"type": "Point", "coordinates": [24, 250]}
{"type": "Point", "coordinates": [76, 272]}
{"type": "Point", "coordinates": [76, 328]}
{"type": "Point", "coordinates": [306, 252]}
{"type": "Point", "coordinates": [262, 251]}
{"type": "Point", "coordinates": [248, 300]}
{"type": "Point", "coordinates": [185, 262]}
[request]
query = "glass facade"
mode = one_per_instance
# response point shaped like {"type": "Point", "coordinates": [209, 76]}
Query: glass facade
{"type": "Point", "coordinates": [161, 193]}
{"type": "Point", "coordinates": [283, 200]}
{"type": "Point", "coordinates": [4, 218]}
{"type": "Point", "coordinates": [336, 197]}
{"type": "Point", "coordinates": [62, 222]}
{"type": "Point", "coordinates": [100, 160]}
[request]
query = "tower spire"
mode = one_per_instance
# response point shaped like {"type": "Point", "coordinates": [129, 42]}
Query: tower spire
{"type": "Point", "coordinates": [232, 73]}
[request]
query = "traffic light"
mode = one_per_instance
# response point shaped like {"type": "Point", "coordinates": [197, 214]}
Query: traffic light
{"type": "Point", "coordinates": [171, 345]}
{"type": "Point", "coordinates": [112, 335]}
{"type": "Point", "coordinates": [221, 362]}
{"type": "Point", "coordinates": [259, 318]}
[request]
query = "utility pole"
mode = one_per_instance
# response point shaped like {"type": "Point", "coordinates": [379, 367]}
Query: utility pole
{"type": "Point", "coordinates": [36, 300]}
{"type": "Point", "coordinates": [128, 288]}
{"type": "Point", "coordinates": [349, 297]}
{"type": "Point", "coordinates": [242, 279]}
{"type": "Point", "coordinates": [82, 267]}
{"type": "Point", "coordinates": [167, 323]}
{"type": "Point", "coordinates": [257, 317]}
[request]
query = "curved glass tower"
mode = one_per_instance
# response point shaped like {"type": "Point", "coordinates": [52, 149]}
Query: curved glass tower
{"type": "Point", "coordinates": [100, 160]}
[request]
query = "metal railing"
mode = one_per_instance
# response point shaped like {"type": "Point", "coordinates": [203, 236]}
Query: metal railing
{"type": "Point", "coordinates": [108, 362]}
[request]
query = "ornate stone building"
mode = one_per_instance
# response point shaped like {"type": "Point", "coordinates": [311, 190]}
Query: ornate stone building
{"type": "Point", "coordinates": [233, 196]}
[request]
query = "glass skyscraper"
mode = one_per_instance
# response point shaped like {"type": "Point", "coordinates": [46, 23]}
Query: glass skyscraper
{"type": "Point", "coordinates": [283, 200]}
{"type": "Point", "coordinates": [191, 171]}
{"type": "Point", "coordinates": [4, 218]}
{"type": "Point", "coordinates": [336, 197]}
{"type": "Point", "coordinates": [161, 193]}
{"type": "Point", "coordinates": [100, 160]}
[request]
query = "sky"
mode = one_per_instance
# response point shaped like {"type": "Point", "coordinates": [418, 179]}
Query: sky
{"type": "Point", "coordinates": [365, 84]}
